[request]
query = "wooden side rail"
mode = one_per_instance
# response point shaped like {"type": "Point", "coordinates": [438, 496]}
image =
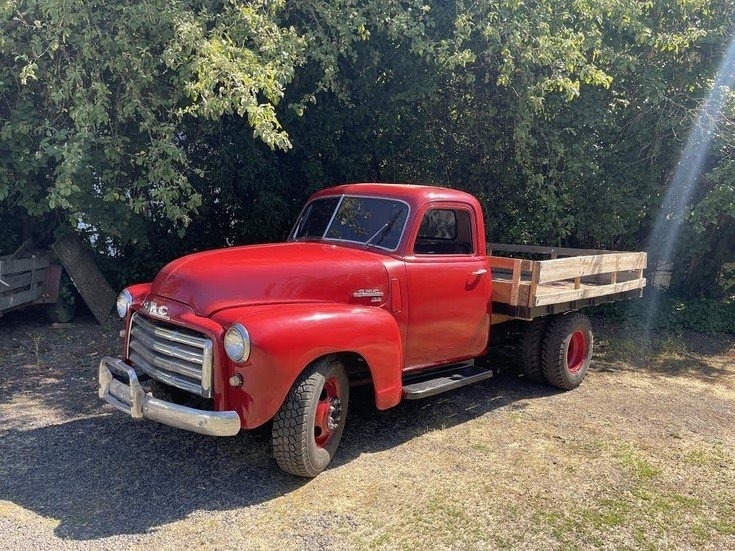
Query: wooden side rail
{"type": "Point", "coordinates": [578, 276]}
{"type": "Point", "coordinates": [22, 280]}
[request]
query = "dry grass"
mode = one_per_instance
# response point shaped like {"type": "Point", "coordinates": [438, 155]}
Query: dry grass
{"type": "Point", "coordinates": [641, 456]}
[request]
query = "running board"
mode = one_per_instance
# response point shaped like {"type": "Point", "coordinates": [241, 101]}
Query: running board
{"type": "Point", "coordinates": [436, 382]}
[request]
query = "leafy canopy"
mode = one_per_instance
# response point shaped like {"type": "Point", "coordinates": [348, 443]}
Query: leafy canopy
{"type": "Point", "coordinates": [566, 117]}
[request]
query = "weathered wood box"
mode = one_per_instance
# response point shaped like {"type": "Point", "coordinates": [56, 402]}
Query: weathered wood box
{"type": "Point", "coordinates": [561, 279]}
{"type": "Point", "coordinates": [31, 280]}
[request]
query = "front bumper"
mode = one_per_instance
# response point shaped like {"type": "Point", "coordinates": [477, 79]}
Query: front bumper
{"type": "Point", "coordinates": [132, 399]}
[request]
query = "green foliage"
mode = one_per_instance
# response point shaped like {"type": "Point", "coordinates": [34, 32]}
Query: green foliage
{"type": "Point", "coordinates": [672, 313]}
{"type": "Point", "coordinates": [704, 264]}
{"type": "Point", "coordinates": [166, 127]}
{"type": "Point", "coordinates": [88, 125]}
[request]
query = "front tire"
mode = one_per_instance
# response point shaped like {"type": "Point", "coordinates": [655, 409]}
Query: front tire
{"type": "Point", "coordinates": [308, 427]}
{"type": "Point", "coordinates": [567, 349]}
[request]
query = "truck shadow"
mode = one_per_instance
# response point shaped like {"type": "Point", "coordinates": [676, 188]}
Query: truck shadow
{"type": "Point", "coordinates": [108, 475]}
{"type": "Point", "coordinates": [370, 430]}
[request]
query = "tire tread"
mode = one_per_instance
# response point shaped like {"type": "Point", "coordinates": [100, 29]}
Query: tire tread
{"type": "Point", "coordinates": [530, 350]}
{"type": "Point", "coordinates": [290, 435]}
{"type": "Point", "coordinates": [553, 351]}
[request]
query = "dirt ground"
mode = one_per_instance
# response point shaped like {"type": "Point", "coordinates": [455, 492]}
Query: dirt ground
{"type": "Point", "coordinates": [641, 456]}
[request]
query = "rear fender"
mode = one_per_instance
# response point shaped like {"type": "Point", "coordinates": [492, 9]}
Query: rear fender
{"type": "Point", "coordinates": [285, 338]}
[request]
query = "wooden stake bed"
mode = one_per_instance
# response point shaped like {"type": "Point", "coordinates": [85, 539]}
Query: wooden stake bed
{"type": "Point", "coordinates": [27, 280]}
{"type": "Point", "coordinates": [567, 280]}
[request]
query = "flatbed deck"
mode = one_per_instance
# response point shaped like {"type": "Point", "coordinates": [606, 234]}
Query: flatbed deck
{"type": "Point", "coordinates": [534, 281]}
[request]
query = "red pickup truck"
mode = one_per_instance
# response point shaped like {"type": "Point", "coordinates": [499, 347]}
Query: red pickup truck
{"type": "Point", "coordinates": [380, 284]}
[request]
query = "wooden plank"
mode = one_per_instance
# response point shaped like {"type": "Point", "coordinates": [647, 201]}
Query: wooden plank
{"type": "Point", "coordinates": [51, 284]}
{"type": "Point", "coordinates": [516, 281]}
{"type": "Point", "coordinates": [534, 281]}
{"type": "Point", "coordinates": [553, 296]}
{"type": "Point", "coordinates": [12, 267]}
{"type": "Point", "coordinates": [85, 275]}
{"type": "Point", "coordinates": [534, 249]}
{"type": "Point", "coordinates": [512, 272]}
{"type": "Point", "coordinates": [578, 266]}
{"type": "Point", "coordinates": [499, 318]}
{"type": "Point", "coordinates": [524, 293]}
{"type": "Point", "coordinates": [502, 291]}
{"type": "Point", "coordinates": [506, 263]}
{"type": "Point", "coordinates": [529, 313]}
{"type": "Point", "coordinates": [16, 299]}
{"type": "Point", "coordinates": [12, 283]}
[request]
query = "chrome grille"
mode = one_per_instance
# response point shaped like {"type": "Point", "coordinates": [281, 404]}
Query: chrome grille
{"type": "Point", "coordinates": [173, 355]}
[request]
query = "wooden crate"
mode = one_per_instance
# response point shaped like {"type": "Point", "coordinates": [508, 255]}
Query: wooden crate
{"type": "Point", "coordinates": [561, 279]}
{"type": "Point", "coordinates": [22, 281]}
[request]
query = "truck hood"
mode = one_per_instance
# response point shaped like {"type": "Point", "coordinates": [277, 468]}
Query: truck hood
{"type": "Point", "coordinates": [284, 272]}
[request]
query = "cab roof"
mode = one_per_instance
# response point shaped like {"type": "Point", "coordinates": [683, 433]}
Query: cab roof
{"type": "Point", "coordinates": [415, 194]}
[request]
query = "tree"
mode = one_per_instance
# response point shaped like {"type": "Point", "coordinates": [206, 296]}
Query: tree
{"type": "Point", "coordinates": [140, 119]}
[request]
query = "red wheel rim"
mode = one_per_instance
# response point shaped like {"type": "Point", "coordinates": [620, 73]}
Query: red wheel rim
{"type": "Point", "coordinates": [577, 351]}
{"type": "Point", "coordinates": [328, 415]}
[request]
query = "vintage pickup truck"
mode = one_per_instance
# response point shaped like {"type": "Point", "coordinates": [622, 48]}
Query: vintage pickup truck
{"type": "Point", "coordinates": [378, 284]}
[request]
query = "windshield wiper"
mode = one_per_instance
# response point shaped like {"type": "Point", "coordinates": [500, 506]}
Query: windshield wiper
{"type": "Point", "coordinates": [384, 230]}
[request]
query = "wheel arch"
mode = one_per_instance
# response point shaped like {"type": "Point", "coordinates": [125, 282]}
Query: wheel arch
{"type": "Point", "coordinates": [287, 339]}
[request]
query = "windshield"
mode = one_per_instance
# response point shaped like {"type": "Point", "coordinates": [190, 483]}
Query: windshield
{"type": "Point", "coordinates": [366, 220]}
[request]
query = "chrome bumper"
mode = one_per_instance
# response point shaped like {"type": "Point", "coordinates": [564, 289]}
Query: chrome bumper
{"type": "Point", "coordinates": [132, 399]}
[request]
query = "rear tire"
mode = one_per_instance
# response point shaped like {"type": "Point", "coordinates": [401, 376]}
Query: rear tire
{"type": "Point", "coordinates": [308, 427]}
{"type": "Point", "coordinates": [566, 351]}
{"type": "Point", "coordinates": [531, 343]}
{"type": "Point", "coordinates": [65, 307]}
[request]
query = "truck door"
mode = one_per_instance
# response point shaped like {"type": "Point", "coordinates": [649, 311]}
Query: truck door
{"type": "Point", "coordinates": [448, 283]}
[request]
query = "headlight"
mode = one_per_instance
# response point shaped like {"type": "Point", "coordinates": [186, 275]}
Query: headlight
{"type": "Point", "coordinates": [237, 343]}
{"type": "Point", "coordinates": [124, 300]}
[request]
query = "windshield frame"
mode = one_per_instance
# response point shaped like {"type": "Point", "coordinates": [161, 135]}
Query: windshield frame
{"type": "Point", "coordinates": [342, 197]}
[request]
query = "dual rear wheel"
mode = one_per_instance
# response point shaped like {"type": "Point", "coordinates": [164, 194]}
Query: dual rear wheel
{"type": "Point", "coordinates": [557, 350]}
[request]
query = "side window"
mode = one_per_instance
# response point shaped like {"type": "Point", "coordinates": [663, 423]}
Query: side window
{"type": "Point", "coordinates": [445, 231]}
{"type": "Point", "coordinates": [438, 224]}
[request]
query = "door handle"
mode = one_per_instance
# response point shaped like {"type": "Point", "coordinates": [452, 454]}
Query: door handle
{"type": "Point", "coordinates": [478, 273]}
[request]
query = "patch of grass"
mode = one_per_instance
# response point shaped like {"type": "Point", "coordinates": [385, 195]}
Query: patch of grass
{"type": "Point", "coordinates": [726, 527]}
{"type": "Point", "coordinates": [608, 514]}
{"type": "Point", "coordinates": [638, 466]}
{"type": "Point", "coordinates": [623, 349]}
{"type": "Point", "coordinates": [667, 503]}
{"type": "Point", "coordinates": [481, 447]}
{"type": "Point", "coordinates": [646, 513]}
{"type": "Point", "coordinates": [713, 457]}
{"type": "Point", "coordinates": [381, 540]}
{"type": "Point", "coordinates": [645, 508]}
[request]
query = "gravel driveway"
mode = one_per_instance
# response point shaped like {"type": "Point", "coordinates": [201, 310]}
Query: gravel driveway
{"type": "Point", "coordinates": [497, 465]}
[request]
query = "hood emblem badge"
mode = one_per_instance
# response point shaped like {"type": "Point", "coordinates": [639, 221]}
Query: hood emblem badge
{"type": "Point", "coordinates": [375, 295]}
{"type": "Point", "coordinates": [155, 310]}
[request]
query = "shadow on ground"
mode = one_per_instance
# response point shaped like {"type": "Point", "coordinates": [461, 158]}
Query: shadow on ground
{"type": "Point", "coordinates": [53, 364]}
{"type": "Point", "coordinates": [662, 353]}
{"type": "Point", "coordinates": [107, 475]}
{"type": "Point", "coordinates": [102, 474]}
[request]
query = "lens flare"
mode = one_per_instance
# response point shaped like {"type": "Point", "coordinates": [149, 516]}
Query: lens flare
{"type": "Point", "coordinates": [683, 184]}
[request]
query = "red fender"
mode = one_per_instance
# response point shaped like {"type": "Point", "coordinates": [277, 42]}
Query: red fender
{"type": "Point", "coordinates": [288, 337]}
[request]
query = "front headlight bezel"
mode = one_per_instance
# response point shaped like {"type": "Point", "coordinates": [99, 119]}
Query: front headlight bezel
{"type": "Point", "coordinates": [237, 343]}
{"type": "Point", "coordinates": [123, 303]}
